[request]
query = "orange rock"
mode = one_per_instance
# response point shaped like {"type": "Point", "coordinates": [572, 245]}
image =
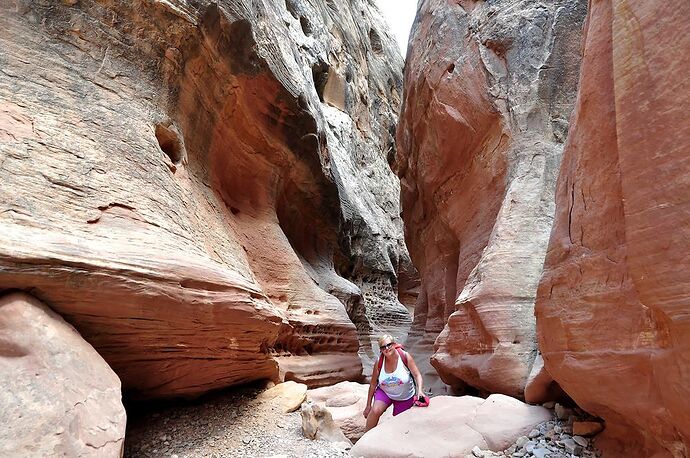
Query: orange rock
{"type": "Point", "coordinates": [587, 428]}
{"type": "Point", "coordinates": [175, 182]}
{"type": "Point", "coordinates": [612, 304]}
{"type": "Point", "coordinates": [488, 96]}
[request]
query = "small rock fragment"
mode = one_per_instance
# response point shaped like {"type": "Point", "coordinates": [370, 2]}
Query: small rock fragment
{"type": "Point", "coordinates": [572, 447]}
{"type": "Point", "coordinates": [540, 452]}
{"type": "Point", "coordinates": [522, 440]}
{"type": "Point", "coordinates": [562, 413]}
{"type": "Point", "coordinates": [587, 428]}
{"type": "Point", "coordinates": [581, 441]}
{"type": "Point", "coordinates": [476, 451]}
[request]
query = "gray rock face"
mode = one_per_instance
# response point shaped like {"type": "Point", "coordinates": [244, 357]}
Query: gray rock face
{"type": "Point", "coordinates": [489, 89]}
{"type": "Point", "coordinates": [210, 178]}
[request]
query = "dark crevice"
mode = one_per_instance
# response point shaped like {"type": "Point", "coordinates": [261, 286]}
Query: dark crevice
{"type": "Point", "coordinates": [170, 143]}
{"type": "Point", "coordinates": [375, 41]}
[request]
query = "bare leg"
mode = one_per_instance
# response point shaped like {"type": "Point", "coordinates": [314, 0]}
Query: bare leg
{"type": "Point", "coordinates": [376, 411]}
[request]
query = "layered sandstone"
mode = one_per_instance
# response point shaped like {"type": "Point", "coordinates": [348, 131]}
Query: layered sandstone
{"type": "Point", "coordinates": [59, 397]}
{"type": "Point", "coordinates": [612, 308]}
{"type": "Point", "coordinates": [177, 179]}
{"type": "Point", "coordinates": [489, 90]}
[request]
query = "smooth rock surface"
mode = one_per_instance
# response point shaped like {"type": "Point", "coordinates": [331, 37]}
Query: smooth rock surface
{"type": "Point", "coordinates": [452, 426]}
{"type": "Point", "coordinates": [289, 395]}
{"type": "Point", "coordinates": [489, 88]}
{"type": "Point", "coordinates": [202, 188]}
{"type": "Point", "coordinates": [612, 306]}
{"type": "Point", "coordinates": [346, 402]}
{"type": "Point", "coordinates": [58, 397]}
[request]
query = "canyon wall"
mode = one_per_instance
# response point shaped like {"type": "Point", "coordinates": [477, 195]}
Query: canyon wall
{"type": "Point", "coordinates": [490, 87]}
{"type": "Point", "coordinates": [203, 189]}
{"type": "Point", "coordinates": [612, 308]}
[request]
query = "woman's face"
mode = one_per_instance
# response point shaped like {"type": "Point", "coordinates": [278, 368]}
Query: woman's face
{"type": "Point", "coordinates": [386, 347]}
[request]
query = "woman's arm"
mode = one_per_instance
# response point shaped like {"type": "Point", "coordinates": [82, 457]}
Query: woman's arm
{"type": "Point", "coordinates": [372, 387]}
{"type": "Point", "coordinates": [419, 381]}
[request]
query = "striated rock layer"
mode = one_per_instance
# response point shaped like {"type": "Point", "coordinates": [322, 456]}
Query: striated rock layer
{"type": "Point", "coordinates": [489, 90]}
{"type": "Point", "coordinates": [188, 183]}
{"type": "Point", "coordinates": [612, 308]}
{"type": "Point", "coordinates": [59, 397]}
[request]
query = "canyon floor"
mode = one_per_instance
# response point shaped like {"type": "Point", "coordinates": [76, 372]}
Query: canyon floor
{"type": "Point", "coordinates": [236, 423]}
{"type": "Point", "coordinates": [224, 424]}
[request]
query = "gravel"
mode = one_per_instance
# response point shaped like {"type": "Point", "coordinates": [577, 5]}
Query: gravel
{"type": "Point", "coordinates": [228, 424]}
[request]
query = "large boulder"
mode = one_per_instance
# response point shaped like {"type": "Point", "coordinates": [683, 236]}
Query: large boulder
{"type": "Point", "coordinates": [489, 88]}
{"type": "Point", "coordinates": [288, 396]}
{"type": "Point", "coordinates": [189, 184]}
{"type": "Point", "coordinates": [58, 397]}
{"type": "Point", "coordinates": [612, 308]}
{"type": "Point", "coordinates": [452, 426]}
{"type": "Point", "coordinates": [346, 402]}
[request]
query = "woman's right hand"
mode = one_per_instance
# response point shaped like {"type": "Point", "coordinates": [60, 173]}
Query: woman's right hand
{"type": "Point", "coordinates": [366, 411]}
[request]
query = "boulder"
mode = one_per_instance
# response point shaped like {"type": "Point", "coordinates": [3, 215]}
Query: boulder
{"type": "Point", "coordinates": [452, 426]}
{"type": "Point", "coordinates": [288, 395]}
{"type": "Point", "coordinates": [317, 424]}
{"type": "Point", "coordinates": [186, 181]}
{"type": "Point", "coordinates": [612, 304]}
{"type": "Point", "coordinates": [346, 402]}
{"type": "Point", "coordinates": [489, 90]}
{"type": "Point", "coordinates": [59, 397]}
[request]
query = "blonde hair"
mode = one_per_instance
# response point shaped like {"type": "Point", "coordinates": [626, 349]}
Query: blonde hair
{"type": "Point", "coordinates": [386, 337]}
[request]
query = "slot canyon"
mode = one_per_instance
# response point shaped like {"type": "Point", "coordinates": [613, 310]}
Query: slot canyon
{"type": "Point", "coordinates": [210, 211]}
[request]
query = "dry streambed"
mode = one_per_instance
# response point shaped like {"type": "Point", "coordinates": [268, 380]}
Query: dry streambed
{"type": "Point", "coordinates": [226, 424]}
{"type": "Point", "coordinates": [253, 422]}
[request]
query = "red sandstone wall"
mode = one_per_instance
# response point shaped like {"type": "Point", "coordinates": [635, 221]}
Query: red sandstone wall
{"type": "Point", "coordinates": [489, 89]}
{"type": "Point", "coordinates": [612, 307]}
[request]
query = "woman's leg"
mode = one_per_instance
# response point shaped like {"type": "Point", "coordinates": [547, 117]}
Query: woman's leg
{"type": "Point", "coordinates": [401, 406]}
{"type": "Point", "coordinates": [381, 403]}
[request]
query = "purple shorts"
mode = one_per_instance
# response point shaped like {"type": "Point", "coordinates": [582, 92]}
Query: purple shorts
{"type": "Point", "coordinates": [398, 406]}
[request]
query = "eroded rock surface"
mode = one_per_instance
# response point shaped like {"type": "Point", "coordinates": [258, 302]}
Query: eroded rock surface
{"type": "Point", "coordinates": [612, 308]}
{"type": "Point", "coordinates": [346, 402]}
{"type": "Point", "coordinates": [177, 180]}
{"type": "Point", "coordinates": [58, 397]}
{"type": "Point", "coordinates": [489, 90]}
{"type": "Point", "coordinates": [452, 426]}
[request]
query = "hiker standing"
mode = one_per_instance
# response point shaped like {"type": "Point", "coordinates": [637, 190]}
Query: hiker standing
{"type": "Point", "coordinates": [392, 382]}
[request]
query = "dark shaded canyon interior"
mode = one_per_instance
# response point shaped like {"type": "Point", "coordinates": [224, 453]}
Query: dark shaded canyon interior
{"type": "Point", "coordinates": [207, 192]}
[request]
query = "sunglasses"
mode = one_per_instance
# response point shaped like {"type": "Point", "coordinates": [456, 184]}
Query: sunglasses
{"type": "Point", "coordinates": [387, 346]}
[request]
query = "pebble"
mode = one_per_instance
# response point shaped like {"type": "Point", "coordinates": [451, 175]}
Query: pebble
{"type": "Point", "coordinates": [476, 451]}
{"type": "Point", "coordinates": [562, 413]}
{"type": "Point", "coordinates": [581, 441]}
{"type": "Point", "coordinates": [540, 452]}
{"type": "Point", "coordinates": [534, 433]}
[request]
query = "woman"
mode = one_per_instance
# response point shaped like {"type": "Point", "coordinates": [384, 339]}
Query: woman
{"type": "Point", "coordinates": [392, 383]}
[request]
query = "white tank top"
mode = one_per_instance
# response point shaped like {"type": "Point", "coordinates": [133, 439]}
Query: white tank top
{"type": "Point", "coordinates": [399, 384]}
